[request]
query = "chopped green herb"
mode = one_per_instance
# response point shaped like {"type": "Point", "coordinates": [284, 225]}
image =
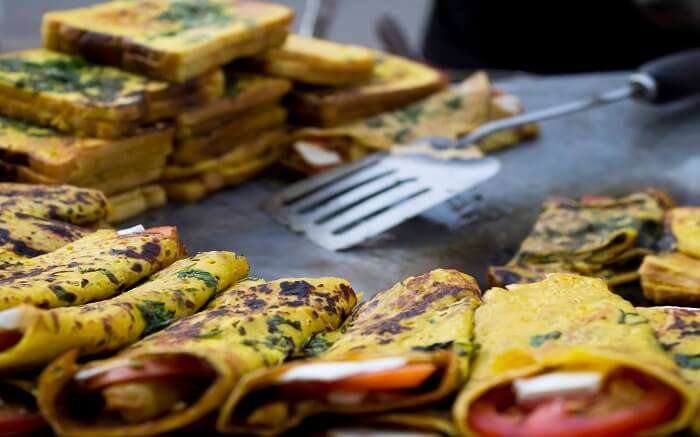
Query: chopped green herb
{"type": "Point", "coordinates": [375, 122]}
{"type": "Point", "coordinates": [434, 347]}
{"type": "Point", "coordinates": [466, 349]}
{"type": "Point", "coordinates": [113, 279]}
{"type": "Point", "coordinates": [315, 346]}
{"type": "Point", "coordinates": [274, 322]}
{"type": "Point", "coordinates": [211, 334]}
{"type": "Point", "coordinates": [206, 277]}
{"type": "Point", "coordinates": [69, 75]}
{"type": "Point", "coordinates": [539, 340]}
{"type": "Point", "coordinates": [400, 136]}
{"type": "Point", "coordinates": [62, 294]}
{"type": "Point", "coordinates": [687, 361]}
{"type": "Point", "coordinates": [189, 15]}
{"type": "Point", "coordinates": [454, 103]}
{"type": "Point", "coordinates": [631, 319]}
{"type": "Point", "coordinates": [155, 315]}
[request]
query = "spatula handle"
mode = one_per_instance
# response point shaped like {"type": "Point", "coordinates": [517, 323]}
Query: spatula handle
{"type": "Point", "coordinates": [670, 78]}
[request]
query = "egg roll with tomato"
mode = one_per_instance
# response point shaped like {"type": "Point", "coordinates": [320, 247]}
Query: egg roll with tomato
{"type": "Point", "coordinates": [678, 332]}
{"type": "Point", "coordinates": [567, 357]}
{"type": "Point", "coordinates": [673, 276]}
{"type": "Point", "coordinates": [593, 235]}
{"type": "Point", "coordinates": [30, 336]}
{"type": "Point", "coordinates": [19, 414]}
{"type": "Point", "coordinates": [183, 373]}
{"type": "Point", "coordinates": [406, 346]}
{"type": "Point", "coordinates": [95, 267]}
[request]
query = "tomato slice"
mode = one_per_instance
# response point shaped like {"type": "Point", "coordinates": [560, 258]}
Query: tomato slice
{"type": "Point", "coordinates": [164, 367]}
{"type": "Point", "coordinates": [409, 376]}
{"type": "Point", "coordinates": [496, 414]}
{"type": "Point", "coordinates": [14, 421]}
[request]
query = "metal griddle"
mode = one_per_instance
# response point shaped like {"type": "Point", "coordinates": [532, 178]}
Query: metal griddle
{"type": "Point", "coordinates": [613, 150]}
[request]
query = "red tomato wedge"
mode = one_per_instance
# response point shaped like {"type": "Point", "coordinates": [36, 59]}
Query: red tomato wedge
{"type": "Point", "coordinates": [9, 339]}
{"type": "Point", "coordinates": [409, 376]}
{"type": "Point", "coordinates": [172, 366]}
{"type": "Point", "coordinates": [15, 421]}
{"type": "Point", "coordinates": [496, 414]}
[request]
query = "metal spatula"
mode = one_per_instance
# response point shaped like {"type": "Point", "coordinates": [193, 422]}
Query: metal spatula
{"type": "Point", "coordinates": [345, 206]}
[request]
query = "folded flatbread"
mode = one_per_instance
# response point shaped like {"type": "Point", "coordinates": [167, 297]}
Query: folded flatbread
{"type": "Point", "coordinates": [594, 235]}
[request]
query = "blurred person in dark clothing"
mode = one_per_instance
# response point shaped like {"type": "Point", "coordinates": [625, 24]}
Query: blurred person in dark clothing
{"type": "Point", "coordinates": [559, 36]}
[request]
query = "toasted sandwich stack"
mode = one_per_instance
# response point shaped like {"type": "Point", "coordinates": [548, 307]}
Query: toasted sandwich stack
{"type": "Point", "coordinates": [124, 89]}
{"type": "Point", "coordinates": [229, 140]}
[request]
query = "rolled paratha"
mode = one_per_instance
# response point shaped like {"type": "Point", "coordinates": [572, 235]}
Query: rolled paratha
{"type": "Point", "coordinates": [409, 345]}
{"type": "Point", "coordinates": [30, 336]}
{"type": "Point", "coordinates": [565, 356]}
{"type": "Point", "coordinates": [93, 268]}
{"type": "Point", "coordinates": [179, 375]}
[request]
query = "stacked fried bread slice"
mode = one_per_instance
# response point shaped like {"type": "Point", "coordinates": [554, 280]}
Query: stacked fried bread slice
{"type": "Point", "coordinates": [395, 82]}
{"type": "Point", "coordinates": [42, 155]}
{"type": "Point", "coordinates": [188, 183]}
{"type": "Point", "coordinates": [229, 140]}
{"type": "Point", "coordinates": [134, 202]}
{"type": "Point", "coordinates": [172, 40]}
{"type": "Point", "coordinates": [318, 62]}
{"type": "Point", "coordinates": [72, 95]}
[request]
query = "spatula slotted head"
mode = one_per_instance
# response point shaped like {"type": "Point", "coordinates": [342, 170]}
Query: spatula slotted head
{"type": "Point", "coordinates": [345, 206]}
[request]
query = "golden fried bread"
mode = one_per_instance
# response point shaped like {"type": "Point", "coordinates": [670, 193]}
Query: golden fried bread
{"type": "Point", "coordinates": [72, 95]}
{"type": "Point", "coordinates": [173, 40]}
{"type": "Point", "coordinates": [319, 62]}
{"type": "Point", "coordinates": [395, 82]}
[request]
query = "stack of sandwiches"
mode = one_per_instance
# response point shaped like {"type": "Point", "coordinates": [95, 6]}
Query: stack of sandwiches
{"type": "Point", "coordinates": [177, 99]}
